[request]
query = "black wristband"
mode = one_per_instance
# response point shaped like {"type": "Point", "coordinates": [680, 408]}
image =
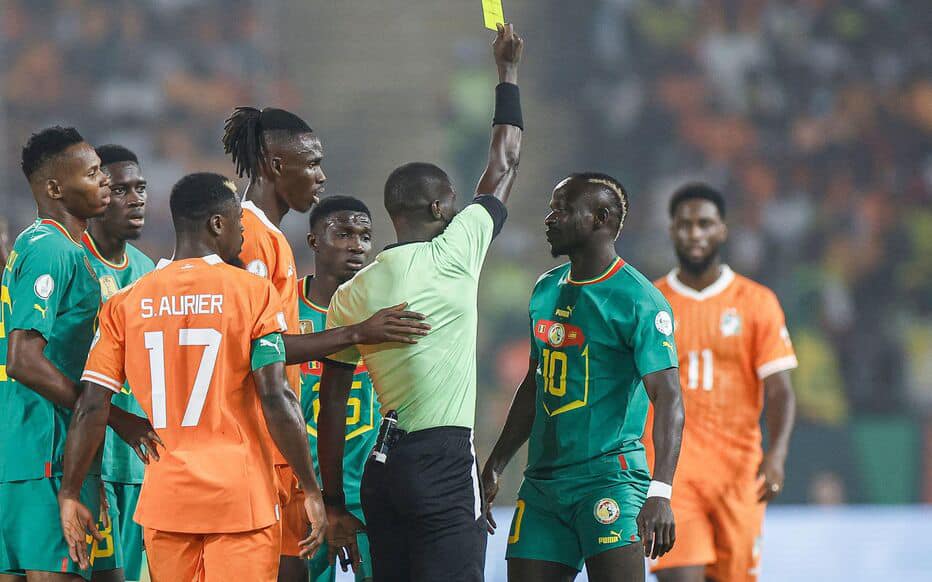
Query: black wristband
{"type": "Point", "coordinates": [508, 105]}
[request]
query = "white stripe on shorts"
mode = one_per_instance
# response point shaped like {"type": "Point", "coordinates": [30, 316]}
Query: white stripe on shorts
{"type": "Point", "coordinates": [474, 477]}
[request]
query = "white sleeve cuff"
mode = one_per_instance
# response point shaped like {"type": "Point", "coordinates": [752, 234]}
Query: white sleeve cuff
{"type": "Point", "coordinates": [105, 381]}
{"type": "Point", "coordinates": [779, 365]}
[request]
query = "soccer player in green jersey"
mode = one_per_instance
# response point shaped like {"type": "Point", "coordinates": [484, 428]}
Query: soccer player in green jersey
{"type": "Point", "coordinates": [117, 264]}
{"type": "Point", "coordinates": [341, 237]}
{"type": "Point", "coordinates": [50, 297]}
{"type": "Point", "coordinates": [601, 347]}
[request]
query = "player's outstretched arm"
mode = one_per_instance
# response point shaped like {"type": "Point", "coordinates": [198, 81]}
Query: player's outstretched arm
{"type": "Point", "coordinates": [515, 433]}
{"type": "Point", "coordinates": [392, 324]}
{"type": "Point", "coordinates": [85, 435]}
{"type": "Point", "coordinates": [335, 386]}
{"type": "Point", "coordinates": [655, 521]}
{"type": "Point", "coordinates": [508, 125]}
{"type": "Point", "coordinates": [780, 413]}
{"type": "Point", "coordinates": [283, 416]}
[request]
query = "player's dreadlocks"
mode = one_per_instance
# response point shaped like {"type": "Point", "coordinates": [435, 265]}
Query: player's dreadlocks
{"type": "Point", "coordinates": [45, 145]}
{"type": "Point", "coordinates": [617, 193]}
{"type": "Point", "coordinates": [113, 154]}
{"type": "Point", "coordinates": [245, 132]}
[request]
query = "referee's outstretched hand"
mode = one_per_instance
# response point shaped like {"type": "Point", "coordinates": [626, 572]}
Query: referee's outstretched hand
{"type": "Point", "coordinates": [392, 324]}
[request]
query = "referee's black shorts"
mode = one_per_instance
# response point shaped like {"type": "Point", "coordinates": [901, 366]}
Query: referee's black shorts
{"type": "Point", "coordinates": [424, 509]}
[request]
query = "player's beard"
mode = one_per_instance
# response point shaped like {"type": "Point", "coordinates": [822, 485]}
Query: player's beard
{"type": "Point", "coordinates": [694, 267]}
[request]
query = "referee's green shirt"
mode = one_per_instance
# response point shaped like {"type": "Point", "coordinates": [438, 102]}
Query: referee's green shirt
{"type": "Point", "coordinates": [431, 383]}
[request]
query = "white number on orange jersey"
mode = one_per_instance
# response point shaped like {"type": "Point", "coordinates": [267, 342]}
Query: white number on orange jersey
{"type": "Point", "coordinates": [155, 344]}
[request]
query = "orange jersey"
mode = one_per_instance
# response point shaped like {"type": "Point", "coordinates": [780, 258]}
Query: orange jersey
{"type": "Point", "coordinates": [729, 337]}
{"type": "Point", "coordinates": [182, 337]}
{"type": "Point", "coordinates": [266, 253]}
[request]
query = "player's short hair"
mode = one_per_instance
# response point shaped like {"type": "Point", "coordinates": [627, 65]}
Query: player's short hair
{"type": "Point", "coordinates": [45, 145]}
{"type": "Point", "coordinates": [698, 191]}
{"type": "Point", "coordinates": [196, 197]}
{"type": "Point", "coordinates": [247, 128]}
{"type": "Point", "coordinates": [615, 190]}
{"type": "Point", "coordinates": [337, 203]}
{"type": "Point", "coordinates": [413, 186]}
{"type": "Point", "coordinates": [114, 154]}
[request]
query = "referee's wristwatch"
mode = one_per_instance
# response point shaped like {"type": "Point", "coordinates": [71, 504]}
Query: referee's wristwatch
{"type": "Point", "coordinates": [334, 499]}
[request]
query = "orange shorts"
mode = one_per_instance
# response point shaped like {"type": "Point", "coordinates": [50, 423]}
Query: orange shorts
{"type": "Point", "coordinates": [177, 557]}
{"type": "Point", "coordinates": [719, 527]}
{"type": "Point", "coordinates": [294, 521]}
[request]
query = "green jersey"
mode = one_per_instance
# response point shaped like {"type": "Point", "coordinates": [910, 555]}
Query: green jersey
{"type": "Point", "coordinates": [594, 341]}
{"type": "Point", "coordinates": [48, 286]}
{"type": "Point", "coordinates": [362, 412]}
{"type": "Point", "coordinates": [120, 464]}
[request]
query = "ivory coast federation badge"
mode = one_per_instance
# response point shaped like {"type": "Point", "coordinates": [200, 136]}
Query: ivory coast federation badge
{"type": "Point", "coordinates": [731, 322]}
{"type": "Point", "coordinates": [606, 511]}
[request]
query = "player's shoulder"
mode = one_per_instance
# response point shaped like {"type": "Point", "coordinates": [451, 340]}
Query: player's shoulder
{"type": "Point", "coordinates": [751, 291]}
{"type": "Point", "coordinates": [630, 283]}
{"type": "Point", "coordinates": [138, 257]}
{"type": "Point", "coordinates": [552, 277]}
{"type": "Point", "coordinates": [47, 241]}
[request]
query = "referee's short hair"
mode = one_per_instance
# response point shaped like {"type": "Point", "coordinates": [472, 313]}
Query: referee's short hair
{"type": "Point", "coordinates": [412, 187]}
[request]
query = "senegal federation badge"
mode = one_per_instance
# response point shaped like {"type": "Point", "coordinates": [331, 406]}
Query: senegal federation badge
{"type": "Point", "coordinates": [606, 511]}
{"type": "Point", "coordinates": [306, 326]}
{"type": "Point", "coordinates": [731, 322]}
{"type": "Point", "coordinates": [108, 287]}
{"type": "Point", "coordinates": [556, 334]}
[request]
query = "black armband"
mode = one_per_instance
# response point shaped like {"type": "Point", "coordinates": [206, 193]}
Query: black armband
{"type": "Point", "coordinates": [508, 105]}
{"type": "Point", "coordinates": [496, 209]}
{"type": "Point", "coordinates": [338, 364]}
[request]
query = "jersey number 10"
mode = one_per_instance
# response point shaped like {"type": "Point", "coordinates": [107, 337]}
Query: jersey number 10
{"type": "Point", "coordinates": [155, 344]}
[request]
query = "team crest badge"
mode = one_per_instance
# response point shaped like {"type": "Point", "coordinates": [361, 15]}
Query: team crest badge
{"type": "Point", "coordinates": [306, 326]}
{"type": "Point", "coordinates": [664, 323]}
{"type": "Point", "coordinates": [108, 287]}
{"type": "Point", "coordinates": [556, 335]}
{"type": "Point", "coordinates": [731, 322]}
{"type": "Point", "coordinates": [606, 511]}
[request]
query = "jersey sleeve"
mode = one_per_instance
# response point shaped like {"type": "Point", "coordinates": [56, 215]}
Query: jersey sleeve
{"type": "Point", "coordinates": [267, 350]}
{"type": "Point", "coordinates": [106, 363]}
{"type": "Point", "coordinates": [463, 245]}
{"type": "Point", "coordinates": [258, 254]}
{"type": "Point", "coordinates": [337, 316]}
{"type": "Point", "coordinates": [773, 350]}
{"type": "Point", "coordinates": [41, 281]}
{"type": "Point", "coordinates": [269, 314]}
{"type": "Point", "coordinates": [650, 335]}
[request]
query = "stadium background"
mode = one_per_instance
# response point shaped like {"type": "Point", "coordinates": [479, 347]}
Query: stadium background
{"type": "Point", "coordinates": [814, 116]}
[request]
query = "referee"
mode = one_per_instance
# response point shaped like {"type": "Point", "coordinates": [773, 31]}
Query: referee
{"type": "Point", "coordinates": [423, 504]}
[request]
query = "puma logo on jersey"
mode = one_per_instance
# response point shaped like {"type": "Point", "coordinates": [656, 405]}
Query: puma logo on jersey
{"type": "Point", "coordinates": [614, 538]}
{"type": "Point", "coordinates": [568, 312]}
{"type": "Point", "coordinates": [667, 344]}
{"type": "Point", "coordinates": [39, 308]}
{"type": "Point", "coordinates": [267, 343]}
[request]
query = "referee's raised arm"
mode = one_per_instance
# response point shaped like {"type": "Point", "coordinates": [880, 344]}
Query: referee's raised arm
{"type": "Point", "coordinates": [508, 124]}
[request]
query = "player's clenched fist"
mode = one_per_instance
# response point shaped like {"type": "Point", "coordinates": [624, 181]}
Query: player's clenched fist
{"type": "Point", "coordinates": [656, 527]}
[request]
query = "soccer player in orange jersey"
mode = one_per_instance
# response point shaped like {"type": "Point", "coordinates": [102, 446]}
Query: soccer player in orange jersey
{"type": "Point", "coordinates": [200, 341]}
{"type": "Point", "coordinates": [282, 157]}
{"type": "Point", "coordinates": [735, 355]}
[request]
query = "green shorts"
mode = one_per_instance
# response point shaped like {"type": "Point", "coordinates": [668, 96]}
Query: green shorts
{"type": "Point", "coordinates": [122, 498]}
{"type": "Point", "coordinates": [30, 529]}
{"type": "Point", "coordinates": [320, 569]}
{"type": "Point", "coordinates": [568, 521]}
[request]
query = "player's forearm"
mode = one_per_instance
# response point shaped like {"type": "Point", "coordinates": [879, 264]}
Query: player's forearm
{"type": "Point", "coordinates": [317, 346]}
{"type": "Point", "coordinates": [27, 364]}
{"type": "Point", "coordinates": [779, 412]}
{"type": "Point", "coordinates": [504, 157]}
{"type": "Point", "coordinates": [85, 435]}
{"type": "Point", "coordinates": [335, 385]}
{"type": "Point", "coordinates": [518, 425]}
{"type": "Point", "coordinates": [283, 416]}
{"type": "Point", "coordinates": [664, 390]}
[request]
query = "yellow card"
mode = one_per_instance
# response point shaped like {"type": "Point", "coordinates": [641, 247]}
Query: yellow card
{"type": "Point", "coordinates": [493, 13]}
